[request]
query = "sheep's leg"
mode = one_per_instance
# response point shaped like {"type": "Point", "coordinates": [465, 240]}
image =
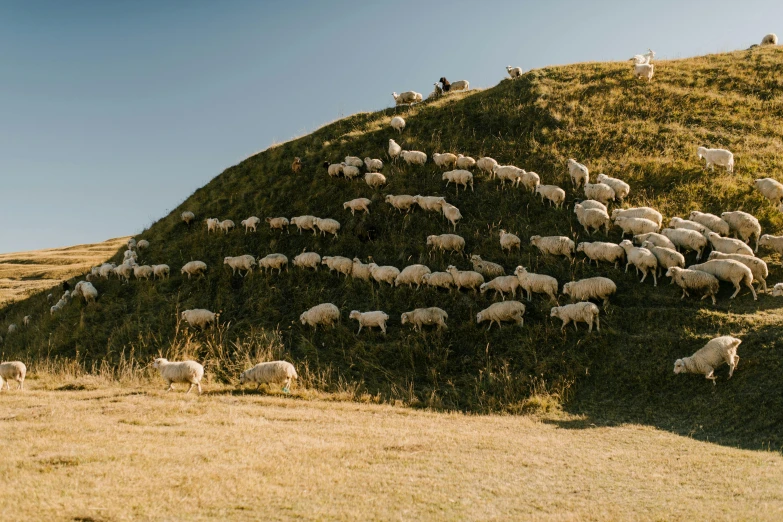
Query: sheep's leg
{"type": "Point", "coordinates": [733, 365]}
{"type": "Point", "coordinates": [626, 267]}
{"type": "Point", "coordinates": [753, 291]}
{"type": "Point", "coordinates": [590, 326]}
{"type": "Point", "coordinates": [171, 386]}
{"type": "Point", "coordinates": [360, 329]}
{"type": "Point", "coordinates": [198, 384]}
{"type": "Point", "coordinates": [655, 279]}
{"type": "Point", "coordinates": [644, 271]}
{"type": "Point", "coordinates": [711, 377]}
{"type": "Point", "coordinates": [737, 287]}
{"type": "Point", "coordinates": [597, 323]}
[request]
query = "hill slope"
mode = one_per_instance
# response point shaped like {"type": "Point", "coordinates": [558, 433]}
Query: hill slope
{"type": "Point", "coordinates": [644, 133]}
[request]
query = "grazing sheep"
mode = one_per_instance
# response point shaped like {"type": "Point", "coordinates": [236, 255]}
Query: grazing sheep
{"type": "Point", "coordinates": [486, 268]}
{"type": "Point", "coordinates": [743, 225]}
{"type": "Point", "coordinates": [600, 288]}
{"type": "Point", "coordinates": [351, 172]}
{"type": "Point", "coordinates": [226, 225]}
{"type": "Point", "coordinates": [466, 278]}
{"type": "Point", "coordinates": [757, 266]}
{"type": "Point", "coordinates": [187, 217]}
{"type": "Point", "coordinates": [130, 254]}
{"type": "Point", "coordinates": [465, 162]}
{"type": "Point", "coordinates": [638, 212]}
{"type": "Point", "coordinates": [197, 268]}
{"type": "Point", "coordinates": [686, 239]}
{"type": "Point", "coordinates": [459, 177]}
{"type": "Point", "coordinates": [12, 371]}
{"type": "Point", "coordinates": [325, 314]}
{"type": "Point", "coordinates": [26, 320]}
{"type": "Point", "coordinates": [189, 372]}
{"type": "Point", "coordinates": [507, 173]}
{"type": "Point", "coordinates": [88, 292]}
{"type": "Point", "coordinates": [514, 72]}
{"type": "Point", "coordinates": [161, 271]}
{"type": "Point", "coordinates": [770, 39]}
{"type": "Point", "coordinates": [273, 372]}
{"type": "Point", "coordinates": [370, 319]}
{"type": "Point", "coordinates": [360, 270]}
{"type": "Point", "coordinates": [667, 257]}
{"type": "Point", "coordinates": [327, 226]}
{"type": "Point", "coordinates": [296, 165]}
{"type": "Point", "coordinates": [245, 262]}
{"type": "Point", "coordinates": [636, 226]}
{"type": "Point", "coordinates": [773, 242]}
{"type": "Point", "coordinates": [278, 223]}
{"type": "Point", "coordinates": [694, 280]}
{"type": "Point", "coordinates": [643, 58]}
{"type": "Point", "coordinates": [307, 260]}
{"type": "Point", "coordinates": [12, 328]}
{"type": "Point", "coordinates": [531, 283]}
{"type": "Point", "coordinates": [304, 223]}
{"type": "Point", "coordinates": [199, 317]}
{"type": "Point", "coordinates": [124, 271]}
{"type": "Point", "coordinates": [712, 355]}
{"type": "Point", "coordinates": [642, 259]}
{"type": "Point", "coordinates": [509, 241]}
{"type": "Point", "coordinates": [529, 180]}
{"type": "Point", "coordinates": [721, 157]}
{"type": "Point", "coordinates": [407, 98]}
{"type": "Point", "coordinates": [711, 221]}
{"type": "Point", "coordinates": [687, 224]}
{"type": "Point", "coordinates": [585, 312]}
{"type": "Point", "coordinates": [771, 189]}
{"type": "Point", "coordinates": [373, 164]}
{"type": "Point", "coordinates": [414, 157]}
{"type": "Point", "coordinates": [143, 272]}
{"type": "Point", "coordinates": [401, 202]}
{"type": "Point", "coordinates": [131, 243]}
{"type": "Point", "coordinates": [452, 214]}
{"type": "Point", "coordinates": [578, 173]}
{"type": "Point", "coordinates": [502, 285]}
{"type": "Point", "coordinates": [599, 251]}
{"type": "Point", "coordinates": [553, 193]}
{"type": "Point", "coordinates": [728, 245]}
{"type": "Point", "coordinates": [446, 243]}
{"type": "Point", "coordinates": [412, 275]}
{"type": "Point", "coordinates": [620, 187]}
{"type": "Point", "coordinates": [599, 192]}
{"type": "Point", "coordinates": [430, 203]}
{"type": "Point", "coordinates": [143, 244]}
{"type": "Point", "coordinates": [444, 160]}
{"type": "Point", "coordinates": [777, 290]}
{"type": "Point", "coordinates": [592, 218]}
{"type": "Point", "coordinates": [250, 223]}
{"type": "Point", "coordinates": [487, 165]}
{"type": "Point", "coordinates": [213, 224]}
{"type": "Point", "coordinates": [425, 316]}
{"type": "Point", "coordinates": [272, 261]}
{"type": "Point", "coordinates": [731, 271]}
{"type": "Point", "coordinates": [106, 269]}
{"type": "Point", "coordinates": [358, 204]}
{"type": "Point", "coordinates": [384, 274]}
{"type": "Point", "coordinates": [354, 161]}
{"type": "Point", "coordinates": [398, 123]}
{"type": "Point", "coordinates": [459, 85]}
{"type": "Point", "coordinates": [394, 149]}
{"type": "Point", "coordinates": [554, 245]}
{"type": "Point", "coordinates": [591, 203]}
{"type": "Point", "coordinates": [333, 169]}
{"type": "Point", "coordinates": [438, 280]}
{"type": "Point", "coordinates": [644, 70]}
{"type": "Point", "coordinates": [506, 311]}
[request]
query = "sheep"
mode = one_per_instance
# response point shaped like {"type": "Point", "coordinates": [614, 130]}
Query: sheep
{"type": "Point", "coordinates": [245, 262]}
{"type": "Point", "coordinates": [437, 91]}
{"type": "Point", "coordinates": [553, 193]}
{"type": "Point", "coordinates": [446, 243]}
{"type": "Point", "coordinates": [325, 314]}
{"type": "Point", "coordinates": [412, 275]}
{"type": "Point", "coordinates": [514, 72]}
{"type": "Point", "coordinates": [189, 372]}
{"type": "Point", "coordinates": [529, 180]}
{"type": "Point", "coordinates": [486, 268]}
{"type": "Point", "coordinates": [578, 173]}
{"type": "Point", "coordinates": [272, 261]}
{"type": "Point", "coordinates": [250, 223]}
{"type": "Point", "coordinates": [487, 165]}
{"type": "Point", "coordinates": [438, 280]}
{"type": "Point", "coordinates": [413, 157]}
{"type": "Point", "coordinates": [592, 218]}
{"type": "Point", "coordinates": [743, 224]}
{"type": "Point", "coordinates": [501, 285]}
{"type": "Point", "coordinates": [327, 226]}
{"type": "Point", "coordinates": [509, 241]}
{"type": "Point", "coordinates": [770, 189]}
{"type": "Point", "coordinates": [636, 226]}
{"type": "Point", "coordinates": [401, 202]}
{"type": "Point", "coordinates": [143, 244]}
{"type": "Point", "coordinates": [307, 260]}
{"type": "Point", "coordinates": [554, 245]}
{"type": "Point", "coordinates": [710, 221]}
{"type": "Point", "coordinates": [296, 165]}
{"type": "Point", "coordinates": [686, 239]}
{"type": "Point", "coordinates": [773, 242]}
{"type": "Point", "coordinates": [446, 159]}
{"type": "Point", "coordinates": [721, 157]}
{"type": "Point", "coordinates": [757, 266]}
{"type": "Point", "coordinates": [644, 70]}
{"type": "Point", "coordinates": [87, 291]}
{"type": "Point", "coordinates": [407, 98]}
{"type": "Point", "coordinates": [459, 177]}
{"type": "Point", "coordinates": [333, 169]}
{"type": "Point", "coordinates": [531, 283]}
{"type": "Point", "coordinates": [620, 187]}
{"type": "Point", "coordinates": [677, 222]}
{"type": "Point", "coordinates": [213, 224]}
{"type": "Point", "coordinates": [599, 192]}
{"type": "Point", "coordinates": [199, 317]}
{"type": "Point", "coordinates": [12, 328]}
{"type": "Point", "coordinates": [398, 123]}
{"type": "Point", "coordinates": [129, 254]}
{"type": "Point", "coordinates": [425, 316]}
{"type": "Point", "coordinates": [342, 265]}
{"type": "Point", "coordinates": [465, 162]}
{"type": "Point", "coordinates": [360, 270]}
{"type": "Point", "coordinates": [106, 270]}
{"type": "Point", "coordinates": [394, 149]}
{"type": "Point", "coordinates": [451, 213]}
{"type": "Point", "coordinates": [226, 225]}
{"type": "Point", "coordinates": [143, 272]}
{"type": "Point", "coordinates": [26, 320]}
{"type": "Point", "coordinates": [351, 172]}
{"type": "Point", "coordinates": [712, 355]}
{"type": "Point", "coordinates": [459, 85]}
{"type": "Point", "coordinates": [647, 57]}
{"type": "Point", "coordinates": [125, 270]}
{"type": "Point", "coordinates": [731, 271]}
{"type": "Point", "coordinates": [373, 164]}
{"type": "Point", "coordinates": [358, 204]}
{"type": "Point", "coordinates": [667, 257]}
{"type": "Point", "coordinates": [384, 274]}
{"type": "Point", "coordinates": [600, 251]}
{"type": "Point", "coordinates": [273, 372]}
{"type": "Point", "coordinates": [591, 203]}
{"type": "Point", "coordinates": [777, 290]}
{"type": "Point", "coordinates": [278, 223]}
{"type": "Point", "coordinates": [584, 312]}
{"type": "Point", "coordinates": [728, 245]}
{"type": "Point", "coordinates": [306, 222]}
{"type": "Point", "coordinates": [591, 288]}
{"type": "Point", "coordinates": [374, 179]}
{"type": "Point", "coordinates": [505, 311]}
{"type": "Point", "coordinates": [49, 297]}
{"type": "Point", "coordinates": [353, 161]}
{"type": "Point", "coordinates": [642, 259]}
{"type": "Point", "coordinates": [694, 280]}
{"type": "Point", "coordinates": [466, 279]}
{"type": "Point", "coordinates": [12, 371]}
{"type": "Point", "coordinates": [187, 217]}
{"type": "Point", "coordinates": [194, 268]}
{"type": "Point", "coordinates": [131, 243]}
{"type": "Point", "coordinates": [430, 203]}
{"type": "Point", "coordinates": [370, 319]}
{"type": "Point", "coordinates": [161, 271]}
{"type": "Point", "coordinates": [638, 212]}
{"type": "Point", "coordinates": [770, 39]}
{"type": "Point", "coordinates": [507, 173]}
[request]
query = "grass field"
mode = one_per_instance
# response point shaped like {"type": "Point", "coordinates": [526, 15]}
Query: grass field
{"type": "Point", "coordinates": [82, 448]}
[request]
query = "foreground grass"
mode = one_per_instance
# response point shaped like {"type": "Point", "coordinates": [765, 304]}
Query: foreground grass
{"type": "Point", "coordinates": [89, 450]}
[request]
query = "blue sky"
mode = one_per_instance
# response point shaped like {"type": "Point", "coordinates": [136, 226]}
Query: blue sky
{"type": "Point", "coordinates": [112, 113]}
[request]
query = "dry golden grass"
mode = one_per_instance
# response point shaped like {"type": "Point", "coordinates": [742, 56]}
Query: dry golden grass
{"type": "Point", "coordinates": [87, 449]}
{"type": "Point", "coordinates": [25, 273]}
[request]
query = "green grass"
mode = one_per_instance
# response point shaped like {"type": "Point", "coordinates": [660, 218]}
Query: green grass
{"type": "Point", "coordinates": [644, 133]}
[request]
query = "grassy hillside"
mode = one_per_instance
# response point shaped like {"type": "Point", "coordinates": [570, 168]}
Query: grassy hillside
{"type": "Point", "coordinates": [644, 133]}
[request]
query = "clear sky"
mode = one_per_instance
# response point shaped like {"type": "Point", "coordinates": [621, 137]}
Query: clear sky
{"type": "Point", "coordinates": [112, 113]}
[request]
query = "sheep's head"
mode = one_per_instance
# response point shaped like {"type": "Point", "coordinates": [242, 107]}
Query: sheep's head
{"type": "Point", "coordinates": [555, 312]}
{"type": "Point", "coordinates": [157, 363]}
{"type": "Point", "coordinates": [243, 377]}
{"type": "Point", "coordinates": [404, 318]}
{"type": "Point", "coordinates": [777, 290]}
{"type": "Point", "coordinates": [701, 151]}
{"type": "Point", "coordinates": [484, 287]}
{"type": "Point", "coordinates": [534, 239]}
{"type": "Point", "coordinates": [479, 317]}
{"type": "Point", "coordinates": [431, 240]}
{"type": "Point", "coordinates": [679, 366]}
{"type": "Point", "coordinates": [303, 318]}
{"type": "Point", "coordinates": [626, 244]}
{"type": "Point", "coordinates": [567, 288]}
{"type": "Point", "coordinates": [580, 247]}
{"type": "Point", "coordinates": [672, 270]}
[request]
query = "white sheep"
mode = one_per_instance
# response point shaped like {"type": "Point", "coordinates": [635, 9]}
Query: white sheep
{"type": "Point", "coordinates": [384, 274]}
{"type": "Point", "coordinates": [187, 217]}
{"type": "Point", "coordinates": [354, 161]}
{"type": "Point", "coordinates": [509, 241]}
{"type": "Point", "coordinates": [486, 268]}
{"type": "Point", "coordinates": [199, 317]}
{"type": "Point", "coordinates": [757, 266]}
{"type": "Point", "coordinates": [466, 278]}
{"type": "Point", "coordinates": [635, 226]}
{"type": "Point", "coordinates": [686, 239]}
{"type": "Point", "coordinates": [361, 270]}
{"type": "Point", "coordinates": [600, 251]}
{"type": "Point", "coordinates": [398, 123]}
{"type": "Point", "coordinates": [412, 275]}
{"type": "Point", "coordinates": [642, 259]}
{"type": "Point", "coordinates": [599, 192]}
{"type": "Point", "coordinates": [161, 271]}
{"type": "Point", "coordinates": [777, 290]}
{"type": "Point", "coordinates": [458, 177]}
{"type": "Point", "coordinates": [720, 157]}
{"type": "Point", "coordinates": [507, 173]}
{"type": "Point", "coordinates": [712, 355]}
{"type": "Point", "coordinates": [644, 70]}
{"type": "Point", "coordinates": [370, 319]}
{"type": "Point", "coordinates": [553, 193]}
{"type": "Point", "coordinates": [26, 320]}
{"type": "Point", "coordinates": [694, 280]}
{"type": "Point", "coordinates": [124, 271]}
{"type": "Point", "coordinates": [12, 328]}
{"type": "Point", "coordinates": [414, 157]}
{"type": "Point", "coordinates": [638, 212]}
{"type": "Point", "coordinates": [655, 239]}
{"type": "Point", "coordinates": [131, 243]}
{"type": "Point", "coordinates": [394, 149]}
{"type": "Point", "coordinates": [438, 280]}
{"type": "Point", "coordinates": [773, 242]}
{"type": "Point", "coordinates": [728, 245]}
{"type": "Point", "coordinates": [487, 165]}
{"type": "Point", "coordinates": [531, 283]}
{"type": "Point", "coordinates": [731, 271]}
{"type": "Point", "coordinates": [554, 245]}
{"type": "Point", "coordinates": [342, 265]}
{"type": "Point", "coordinates": [351, 171]}
{"type": "Point", "coordinates": [143, 272]}
{"type": "Point", "coordinates": [600, 288]}
{"type": "Point", "coordinates": [142, 244]}
{"type": "Point", "coordinates": [197, 268]}
{"type": "Point", "coordinates": [502, 285]}
{"type": "Point", "coordinates": [87, 291]}
{"type": "Point", "coordinates": [512, 311]}
{"type": "Point", "coordinates": [272, 261]}
{"type": "Point", "coordinates": [620, 187]}
{"type": "Point", "coordinates": [245, 262]}
{"type": "Point", "coordinates": [446, 243]}
{"type": "Point", "coordinates": [591, 203]}
{"type": "Point", "coordinates": [444, 160]}
{"type": "Point", "coordinates": [465, 162]}
{"type": "Point", "coordinates": [273, 372]}
{"type": "Point", "coordinates": [425, 316]}
{"type": "Point", "coordinates": [771, 189]}
{"type": "Point", "coordinates": [592, 218]}
{"type": "Point", "coordinates": [325, 314]}
{"type": "Point", "coordinates": [667, 257]}
{"type": "Point", "coordinates": [578, 173]}
{"type": "Point", "coordinates": [770, 39]}
{"type": "Point", "coordinates": [647, 57]}
{"type": "Point", "coordinates": [250, 223]}
{"type": "Point", "coordinates": [226, 225]}
{"type": "Point", "coordinates": [306, 222]}
{"type": "Point", "coordinates": [278, 223]}
{"type": "Point", "coordinates": [334, 169]}
{"type": "Point", "coordinates": [358, 204]}
{"type": "Point", "coordinates": [130, 254]}
{"type": "Point", "coordinates": [213, 224]}
{"type": "Point", "coordinates": [677, 222]}
{"type": "Point", "coordinates": [514, 72]}
{"type": "Point", "coordinates": [710, 221]}
{"type": "Point", "coordinates": [307, 260]}
{"type": "Point", "coordinates": [585, 312]}
{"type": "Point", "coordinates": [401, 202]}
{"type": "Point", "coordinates": [189, 372]}
{"type": "Point", "coordinates": [743, 225]}
{"type": "Point", "coordinates": [451, 213]}
{"type": "Point", "coordinates": [459, 85]}
{"type": "Point", "coordinates": [529, 180]}
{"type": "Point", "coordinates": [373, 164]}
{"type": "Point", "coordinates": [430, 203]}
{"type": "Point", "coordinates": [407, 98]}
{"type": "Point", "coordinates": [327, 226]}
{"type": "Point", "coordinates": [12, 371]}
